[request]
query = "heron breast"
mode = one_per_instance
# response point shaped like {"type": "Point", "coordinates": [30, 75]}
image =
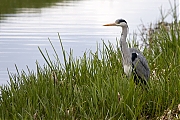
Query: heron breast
{"type": "Point", "coordinates": [128, 69]}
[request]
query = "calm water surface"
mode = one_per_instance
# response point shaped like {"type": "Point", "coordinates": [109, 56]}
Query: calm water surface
{"type": "Point", "coordinates": [78, 22]}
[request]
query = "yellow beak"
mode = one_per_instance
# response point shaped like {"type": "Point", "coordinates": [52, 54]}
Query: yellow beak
{"type": "Point", "coordinates": [111, 24]}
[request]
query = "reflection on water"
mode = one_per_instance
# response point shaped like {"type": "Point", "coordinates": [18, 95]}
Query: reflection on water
{"type": "Point", "coordinates": [79, 23]}
{"type": "Point", "coordinates": [11, 6]}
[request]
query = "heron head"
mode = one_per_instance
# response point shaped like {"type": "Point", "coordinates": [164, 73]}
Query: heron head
{"type": "Point", "coordinates": [118, 22]}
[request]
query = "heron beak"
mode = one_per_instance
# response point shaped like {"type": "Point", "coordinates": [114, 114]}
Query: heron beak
{"type": "Point", "coordinates": [111, 24]}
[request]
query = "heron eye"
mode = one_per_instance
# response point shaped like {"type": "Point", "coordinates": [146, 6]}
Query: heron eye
{"type": "Point", "coordinates": [119, 22]}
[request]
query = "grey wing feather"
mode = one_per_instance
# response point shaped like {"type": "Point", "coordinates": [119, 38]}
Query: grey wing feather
{"type": "Point", "coordinates": [140, 64]}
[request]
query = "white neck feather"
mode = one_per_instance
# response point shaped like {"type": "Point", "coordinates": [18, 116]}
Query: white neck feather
{"type": "Point", "coordinates": [126, 55]}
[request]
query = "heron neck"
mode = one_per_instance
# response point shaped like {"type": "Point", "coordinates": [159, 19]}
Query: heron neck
{"type": "Point", "coordinates": [124, 47]}
{"type": "Point", "coordinates": [124, 33]}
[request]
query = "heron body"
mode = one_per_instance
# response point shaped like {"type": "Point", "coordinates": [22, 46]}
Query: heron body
{"type": "Point", "coordinates": [134, 63]}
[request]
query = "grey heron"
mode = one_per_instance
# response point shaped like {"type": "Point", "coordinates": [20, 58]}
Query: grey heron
{"type": "Point", "coordinates": [134, 62]}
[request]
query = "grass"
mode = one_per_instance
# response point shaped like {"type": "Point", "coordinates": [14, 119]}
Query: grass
{"type": "Point", "coordinates": [95, 87]}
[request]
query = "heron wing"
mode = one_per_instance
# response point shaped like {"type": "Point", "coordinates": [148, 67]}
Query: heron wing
{"type": "Point", "coordinates": [140, 64]}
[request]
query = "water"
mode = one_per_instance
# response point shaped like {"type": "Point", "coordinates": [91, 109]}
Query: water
{"type": "Point", "coordinates": [79, 24]}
